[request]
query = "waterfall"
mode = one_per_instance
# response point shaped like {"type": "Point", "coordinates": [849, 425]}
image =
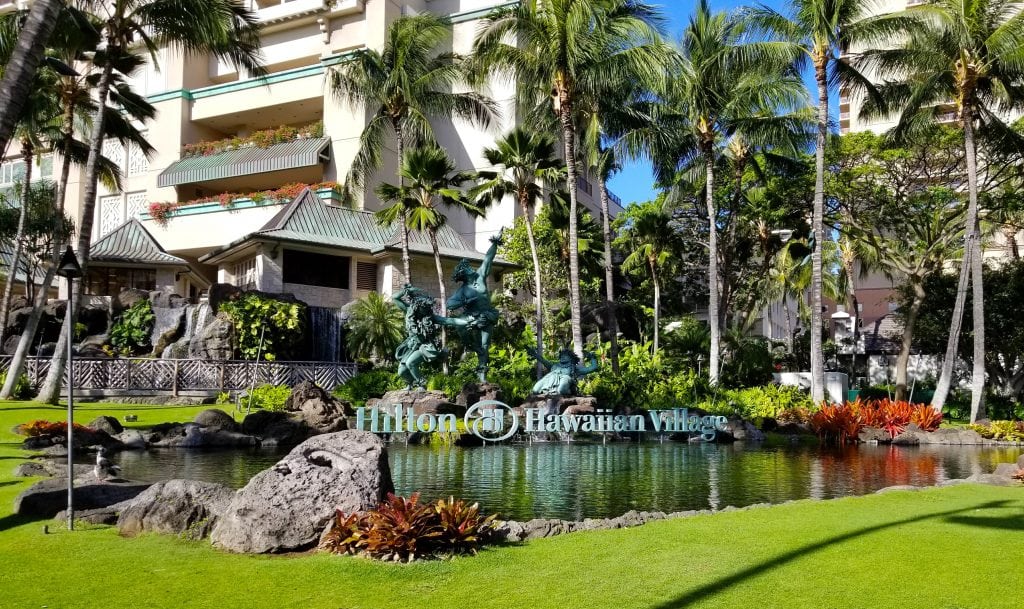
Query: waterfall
{"type": "Point", "coordinates": [196, 317]}
{"type": "Point", "coordinates": [326, 327]}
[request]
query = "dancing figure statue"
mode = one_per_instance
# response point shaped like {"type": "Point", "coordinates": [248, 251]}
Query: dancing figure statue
{"type": "Point", "coordinates": [477, 318]}
{"type": "Point", "coordinates": [563, 375]}
{"type": "Point", "coordinates": [422, 335]}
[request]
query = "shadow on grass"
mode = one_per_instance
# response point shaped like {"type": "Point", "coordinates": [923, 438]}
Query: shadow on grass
{"type": "Point", "coordinates": [702, 592]}
{"type": "Point", "coordinates": [14, 520]}
{"type": "Point", "coordinates": [1008, 523]}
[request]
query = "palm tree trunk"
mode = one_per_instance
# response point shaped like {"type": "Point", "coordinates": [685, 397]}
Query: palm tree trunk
{"type": "Point", "coordinates": [817, 357]}
{"type": "Point", "coordinates": [538, 301]}
{"type": "Point", "coordinates": [49, 392]}
{"type": "Point", "coordinates": [966, 266]}
{"type": "Point", "coordinates": [28, 335]}
{"type": "Point", "coordinates": [657, 304]}
{"type": "Point", "coordinates": [400, 135]}
{"type": "Point", "coordinates": [12, 271]}
{"type": "Point", "coordinates": [569, 140]}
{"type": "Point", "coordinates": [609, 277]}
{"type": "Point", "coordinates": [789, 324]}
{"type": "Point", "coordinates": [713, 293]}
{"type": "Point", "coordinates": [441, 290]}
{"type": "Point", "coordinates": [23, 63]}
{"type": "Point", "coordinates": [903, 359]}
{"type": "Point", "coordinates": [977, 287]}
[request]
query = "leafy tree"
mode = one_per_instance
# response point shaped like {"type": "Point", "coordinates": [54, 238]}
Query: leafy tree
{"type": "Point", "coordinates": [374, 328]}
{"type": "Point", "coordinates": [429, 182]}
{"type": "Point", "coordinates": [524, 164]}
{"type": "Point", "coordinates": [557, 51]}
{"type": "Point", "coordinates": [266, 327]}
{"type": "Point", "coordinates": [899, 220]}
{"type": "Point", "coordinates": [723, 84]}
{"type": "Point", "coordinates": [403, 86]}
{"type": "Point", "coordinates": [964, 57]}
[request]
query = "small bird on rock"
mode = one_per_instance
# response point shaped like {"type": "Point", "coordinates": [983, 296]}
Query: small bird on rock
{"type": "Point", "coordinates": [105, 470]}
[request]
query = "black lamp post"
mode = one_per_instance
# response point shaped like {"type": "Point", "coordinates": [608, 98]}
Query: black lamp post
{"type": "Point", "coordinates": [70, 269]}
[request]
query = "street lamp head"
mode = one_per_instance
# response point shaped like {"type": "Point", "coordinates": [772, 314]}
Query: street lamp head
{"type": "Point", "coordinates": [69, 266]}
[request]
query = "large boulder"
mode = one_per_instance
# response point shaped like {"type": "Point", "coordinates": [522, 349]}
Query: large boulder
{"type": "Point", "coordinates": [475, 392]}
{"type": "Point", "coordinates": [168, 300]}
{"type": "Point", "coordinates": [46, 498]}
{"type": "Point", "coordinates": [168, 327]}
{"type": "Point", "coordinates": [275, 428]}
{"type": "Point", "coordinates": [215, 418]}
{"type": "Point", "coordinates": [106, 424]}
{"type": "Point", "coordinates": [175, 507]}
{"type": "Point", "coordinates": [875, 435]}
{"type": "Point", "coordinates": [320, 410]}
{"type": "Point", "coordinates": [419, 401]}
{"type": "Point", "coordinates": [216, 341]}
{"type": "Point", "coordinates": [287, 507]}
{"type": "Point", "coordinates": [221, 292]}
{"type": "Point", "coordinates": [193, 435]}
{"type": "Point", "coordinates": [126, 299]}
{"type": "Point", "coordinates": [738, 430]}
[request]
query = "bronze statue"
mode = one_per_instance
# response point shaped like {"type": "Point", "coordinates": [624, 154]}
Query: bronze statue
{"type": "Point", "coordinates": [563, 375]}
{"type": "Point", "coordinates": [422, 335]}
{"type": "Point", "coordinates": [478, 316]}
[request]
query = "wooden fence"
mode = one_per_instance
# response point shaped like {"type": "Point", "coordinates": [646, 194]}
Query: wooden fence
{"type": "Point", "coordinates": [111, 376]}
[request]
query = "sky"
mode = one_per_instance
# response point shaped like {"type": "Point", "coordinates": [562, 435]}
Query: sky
{"type": "Point", "coordinates": [635, 182]}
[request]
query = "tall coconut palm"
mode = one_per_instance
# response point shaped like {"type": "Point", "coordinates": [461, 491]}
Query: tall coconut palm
{"type": "Point", "coordinates": [28, 43]}
{"type": "Point", "coordinates": [723, 85]}
{"type": "Point", "coordinates": [430, 185]}
{"type": "Point", "coordinates": [557, 52]}
{"type": "Point", "coordinates": [225, 29]}
{"type": "Point", "coordinates": [524, 164]}
{"type": "Point", "coordinates": [964, 56]}
{"type": "Point", "coordinates": [820, 30]}
{"type": "Point", "coordinates": [646, 232]}
{"type": "Point", "coordinates": [403, 86]}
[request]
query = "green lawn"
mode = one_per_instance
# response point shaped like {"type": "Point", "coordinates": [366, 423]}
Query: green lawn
{"type": "Point", "coordinates": [956, 547]}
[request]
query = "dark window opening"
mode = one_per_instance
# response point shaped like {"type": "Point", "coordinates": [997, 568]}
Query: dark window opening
{"type": "Point", "coordinates": [366, 276]}
{"type": "Point", "coordinates": [110, 281]}
{"type": "Point", "coordinates": [308, 268]}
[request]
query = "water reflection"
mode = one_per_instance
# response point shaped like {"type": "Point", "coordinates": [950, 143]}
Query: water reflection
{"type": "Point", "coordinates": [576, 481]}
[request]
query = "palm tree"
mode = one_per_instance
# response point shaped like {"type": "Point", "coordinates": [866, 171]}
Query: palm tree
{"type": "Point", "coordinates": [724, 85]}
{"type": "Point", "coordinates": [963, 56]}
{"type": "Point", "coordinates": [374, 328]}
{"type": "Point", "coordinates": [524, 164]}
{"type": "Point", "coordinates": [225, 29]}
{"type": "Point", "coordinates": [560, 52]}
{"type": "Point", "coordinates": [820, 31]}
{"type": "Point", "coordinates": [403, 86]}
{"type": "Point", "coordinates": [646, 232]}
{"type": "Point", "coordinates": [429, 183]}
{"type": "Point", "coordinates": [28, 43]}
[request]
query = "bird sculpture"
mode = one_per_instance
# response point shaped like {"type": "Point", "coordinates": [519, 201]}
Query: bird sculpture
{"type": "Point", "coordinates": [105, 469]}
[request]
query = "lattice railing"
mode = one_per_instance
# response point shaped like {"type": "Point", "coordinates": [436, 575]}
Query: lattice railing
{"type": "Point", "coordinates": [174, 375]}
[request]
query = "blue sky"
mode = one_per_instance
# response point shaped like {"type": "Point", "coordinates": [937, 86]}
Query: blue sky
{"type": "Point", "coordinates": [635, 182]}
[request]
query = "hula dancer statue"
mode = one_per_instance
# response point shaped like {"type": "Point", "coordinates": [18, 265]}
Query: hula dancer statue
{"type": "Point", "coordinates": [422, 335]}
{"type": "Point", "coordinates": [478, 316]}
{"type": "Point", "coordinates": [563, 375]}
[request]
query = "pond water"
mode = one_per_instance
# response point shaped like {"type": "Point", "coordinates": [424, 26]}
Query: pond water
{"type": "Point", "coordinates": [576, 481]}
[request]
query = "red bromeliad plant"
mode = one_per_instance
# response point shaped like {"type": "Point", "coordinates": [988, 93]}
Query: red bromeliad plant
{"type": "Point", "coordinates": [403, 529]}
{"type": "Point", "coordinates": [841, 424]}
{"type": "Point", "coordinates": [926, 417]}
{"type": "Point", "coordinates": [837, 424]}
{"type": "Point", "coordinates": [51, 428]}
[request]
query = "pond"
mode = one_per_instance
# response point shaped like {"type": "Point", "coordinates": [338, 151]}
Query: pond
{"type": "Point", "coordinates": [576, 481]}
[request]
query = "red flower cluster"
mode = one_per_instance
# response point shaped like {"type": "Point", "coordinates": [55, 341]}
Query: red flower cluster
{"type": "Point", "coordinates": [258, 139]}
{"type": "Point", "coordinates": [162, 211]}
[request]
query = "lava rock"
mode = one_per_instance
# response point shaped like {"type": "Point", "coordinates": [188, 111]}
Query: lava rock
{"type": "Point", "coordinates": [911, 436]}
{"type": "Point", "coordinates": [110, 425]}
{"type": "Point", "coordinates": [192, 435]}
{"type": "Point", "coordinates": [874, 434]}
{"type": "Point", "coordinates": [216, 341]}
{"type": "Point", "coordinates": [1006, 469]}
{"type": "Point", "coordinates": [419, 401]}
{"type": "Point", "coordinates": [168, 300]}
{"type": "Point", "coordinates": [475, 392]}
{"type": "Point", "coordinates": [738, 430]}
{"type": "Point", "coordinates": [320, 410]}
{"type": "Point", "coordinates": [168, 327]}
{"type": "Point", "coordinates": [46, 498]}
{"type": "Point", "coordinates": [288, 506]}
{"type": "Point", "coordinates": [126, 299]}
{"type": "Point", "coordinates": [214, 418]}
{"type": "Point", "coordinates": [175, 507]}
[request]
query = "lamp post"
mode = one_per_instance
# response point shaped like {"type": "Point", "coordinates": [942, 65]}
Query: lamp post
{"type": "Point", "coordinates": [70, 269]}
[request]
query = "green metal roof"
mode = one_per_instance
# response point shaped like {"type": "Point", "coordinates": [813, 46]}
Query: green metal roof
{"type": "Point", "coordinates": [245, 161]}
{"type": "Point", "coordinates": [131, 243]}
{"type": "Point", "coordinates": [308, 219]}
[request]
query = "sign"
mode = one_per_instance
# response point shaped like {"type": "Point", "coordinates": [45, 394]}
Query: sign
{"type": "Point", "coordinates": [495, 421]}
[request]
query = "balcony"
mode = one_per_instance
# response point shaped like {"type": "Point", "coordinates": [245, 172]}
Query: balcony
{"type": "Point", "coordinates": [275, 11]}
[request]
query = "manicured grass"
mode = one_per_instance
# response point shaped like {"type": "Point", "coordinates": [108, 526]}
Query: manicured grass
{"type": "Point", "coordinates": [956, 547]}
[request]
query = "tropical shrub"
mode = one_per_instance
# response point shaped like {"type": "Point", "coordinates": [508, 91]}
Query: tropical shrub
{"type": "Point", "coordinates": [50, 428]}
{"type": "Point", "coordinates": [161, 211]}
{"type": "Point", "coordinates": [268, 397]}
{"type": "Point", "coordinates": [793, 416]}
{"type": "Point", "coordinates": [266, 327]}
{"type": "Point", "coordinates": [758, 403]}
{"type": "Point", "coordinates": [403, 530]}
{"type": "Point", "coordinates": [1008, 431]}
{"type": "Point", "coordinates": [23, 389]}
{"type": "Point", "coordinates": [375, 327]}
{"type": "Point", "coordinates": [366, 385]}
{"type": "Point", "coordinates": [836, 424]}
{"type": "Point", "coordinates": [258, 139]}
{"type": "Point", "coordinates": [130, 333]}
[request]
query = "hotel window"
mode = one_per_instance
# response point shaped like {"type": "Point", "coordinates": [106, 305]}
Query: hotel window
{"type": "Point", "coordinates": [245, 274]}
{"type": "Point", "coordinates": [323, 270]}
{"type": "Point", "coordinates": [110, 281]}
{"type": "Point", "coordinates": [366, 276]}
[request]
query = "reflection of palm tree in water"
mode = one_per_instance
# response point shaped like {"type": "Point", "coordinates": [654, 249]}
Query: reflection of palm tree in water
{"type": "Point", "coordinates": [478, 316]}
